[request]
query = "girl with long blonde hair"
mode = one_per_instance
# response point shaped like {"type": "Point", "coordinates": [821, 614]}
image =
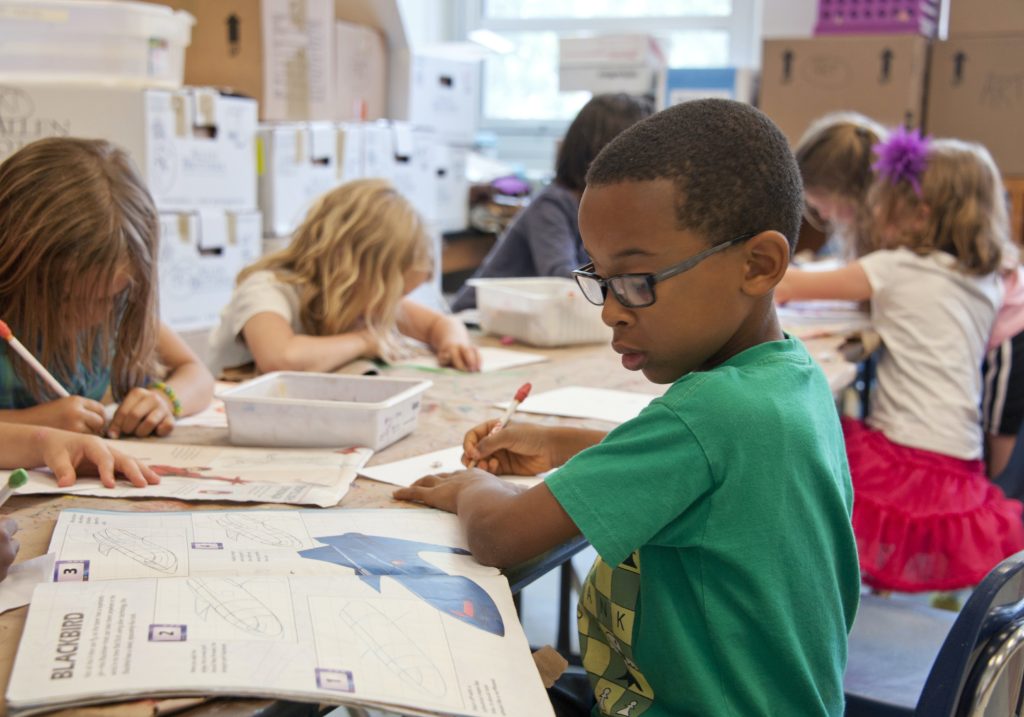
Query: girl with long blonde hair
{"type": "Point", "coordinates": [926, 516]}
{"type": "Point", "coordinates": [78, 287]}
{"type": "Point", "coordinates": [338, 291]}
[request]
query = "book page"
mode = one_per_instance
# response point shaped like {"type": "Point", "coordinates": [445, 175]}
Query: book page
{"type": "Point", "coordinates": [259, 475]}
{"type": "Point", "coordinates": [393, 612]}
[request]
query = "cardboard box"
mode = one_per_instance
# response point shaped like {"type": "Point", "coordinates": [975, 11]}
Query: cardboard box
{"type": "Point", "coordinates": [277, 51]}
{"type": "Point", "coordinates": [976, 92]}
{"type": "Point", "coordinates": [610, 63]}
{"type": "Point", "coordinates": [301, 162]}
{"type": "Point", "coordinates": [201, 254]}
{"type": "Point", "coordinates": [683, 84]}
{"type": "Point", "coordinates": [415, 170]}
{"type": "Point", "coordinates": [452, 213]}
{"type": "Point", "coordinates": [194, 147]}
{"type": "Point", "coordinates": [881, 76]}
{"type": "Point", "coordinates": [360, 71]}
{"type": "Point", "coordinates": [985, 17]}
{"type": "Point", "coordinates": [443, 93]}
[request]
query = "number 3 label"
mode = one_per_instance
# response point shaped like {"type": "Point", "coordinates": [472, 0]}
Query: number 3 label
{"type": "Point", "coordinates": [71, 571]}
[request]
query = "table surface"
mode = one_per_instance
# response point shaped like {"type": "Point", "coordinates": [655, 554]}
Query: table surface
{"type": "Point", "coordinates": [453, 404]}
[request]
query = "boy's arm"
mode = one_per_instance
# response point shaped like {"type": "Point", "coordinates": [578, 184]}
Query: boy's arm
{"type": "Point", "coordinates": [849, 283]}
{"type": "Point", "coordinates": [276, 347]}
{"type": "Point", "coordinates": [446, 335]}
{"type": "Point", "coordinates": [504, 525]}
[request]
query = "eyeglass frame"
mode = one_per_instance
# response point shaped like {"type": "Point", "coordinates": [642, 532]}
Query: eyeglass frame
{"type": "Point", "coordinates": [587, 272]}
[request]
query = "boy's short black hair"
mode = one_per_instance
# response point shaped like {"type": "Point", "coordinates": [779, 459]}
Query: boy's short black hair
{"type": "Point", "coordinates": [733, 170]}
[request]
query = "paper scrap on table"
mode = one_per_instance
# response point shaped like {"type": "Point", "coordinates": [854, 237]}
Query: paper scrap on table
{"type": "Point", "coordinates": [22, 578]}
{"type": "Point", "coordinates": [583, 402]}
{"type": "Point", "coordinates": [257, 475]}
{"type": "Point", "coordinates": [408, 471]}
{"type": "Point", "coordinates": [492, 358]}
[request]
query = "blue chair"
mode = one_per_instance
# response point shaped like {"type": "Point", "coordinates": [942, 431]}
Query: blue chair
{"type": "Point", "coordinates": [910, 659]}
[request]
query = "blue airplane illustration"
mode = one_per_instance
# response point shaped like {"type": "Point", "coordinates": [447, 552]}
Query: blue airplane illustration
{"type": "Point", "coordinates": [374, 557]}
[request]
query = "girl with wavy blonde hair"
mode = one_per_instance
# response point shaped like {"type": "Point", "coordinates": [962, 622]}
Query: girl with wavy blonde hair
{"type": "Point", "coordinates": [926, 515]}
{"type": "Point", "coordinates": [78, 287]}
{"type": "Point", "coordinates": [338, 291]}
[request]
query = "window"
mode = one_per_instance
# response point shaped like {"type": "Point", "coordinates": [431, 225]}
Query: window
{"type": "Point", "coordinates": [520, 88]}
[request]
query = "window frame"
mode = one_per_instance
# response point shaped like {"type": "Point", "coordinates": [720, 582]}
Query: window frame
{"type": "Point", "coordinates": [743, 27]}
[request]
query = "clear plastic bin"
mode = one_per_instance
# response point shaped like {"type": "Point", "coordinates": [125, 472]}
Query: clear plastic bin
{"type": "Point", "coordinates": [543, 311]}
{"type": "Point", "coordinates": [287, 408]}
{"type": "Point", "coordinates": [126, 43]}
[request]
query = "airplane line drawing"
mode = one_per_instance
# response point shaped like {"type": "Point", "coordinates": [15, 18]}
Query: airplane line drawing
{"type": "Point", "coordinates": [234, 603]}
{"type": "Point", "coordinates": [242, 526]}
{"type": "Point", "coordinates": [134, 546]}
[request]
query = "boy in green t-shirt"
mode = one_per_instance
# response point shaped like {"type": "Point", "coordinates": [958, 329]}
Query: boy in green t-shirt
{"type": "Point", "coordinates": [727, 580]}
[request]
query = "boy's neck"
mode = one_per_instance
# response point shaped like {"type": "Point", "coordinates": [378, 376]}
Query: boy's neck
{"type": "Point", "coordinates": [761, 326]}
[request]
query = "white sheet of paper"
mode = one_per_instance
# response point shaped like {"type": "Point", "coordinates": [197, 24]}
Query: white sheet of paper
{"type": "Point", "coordinates": [22, 578]}
{"type": "Point", "coordinates": [255, 475]}
{"type": "Point", "coordinates": [810, 319]}
{"type": "Point", "coordinates": [583, 402]}
{"type": "Point", "coordinates": [351, 606]}
{"type": "Point", "coordinates": [408, 471]}
{"type": "Point", "coordinates": [492, 358]}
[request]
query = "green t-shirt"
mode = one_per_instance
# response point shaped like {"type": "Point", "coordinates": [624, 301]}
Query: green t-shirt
{"type": "Point", "coordinates": [725, 506]}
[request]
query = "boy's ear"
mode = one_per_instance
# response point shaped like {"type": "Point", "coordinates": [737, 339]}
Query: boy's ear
{"type": "Point", "coordinates": [766, 261]}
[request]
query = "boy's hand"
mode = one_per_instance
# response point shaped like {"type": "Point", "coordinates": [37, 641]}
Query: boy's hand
{"type": "Point", "coordinates": [73, 413]}
{"type": "Point", "coordinates": [143, 412]}
{"type": "Point", "coordinates": [8, 545]}
{"type": "Point", "coordinates": [68, 455]}
{"type": "Point", "coordinates": [439, 491]}
{"type": "Point", "coordinates": [517, 449]}
{"type": "Point", "coordinates": [464, 357]}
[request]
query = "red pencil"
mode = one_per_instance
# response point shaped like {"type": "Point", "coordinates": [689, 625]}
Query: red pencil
{"type": "Point", "coordinates": [520, 396]}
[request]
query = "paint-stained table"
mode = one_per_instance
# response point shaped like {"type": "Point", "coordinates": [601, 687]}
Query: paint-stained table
{"type": "Point", "coordinates": [454, 403]}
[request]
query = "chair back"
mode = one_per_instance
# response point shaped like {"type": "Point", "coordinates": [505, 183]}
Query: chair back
{"type": "Point", "coordinates": [980, 666]}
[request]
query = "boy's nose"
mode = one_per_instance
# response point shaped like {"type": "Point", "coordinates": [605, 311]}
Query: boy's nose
{"type": "Point", "coordinates": [613, 313]}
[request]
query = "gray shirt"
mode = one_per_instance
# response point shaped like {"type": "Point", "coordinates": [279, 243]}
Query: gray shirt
{"type": "Point", "coordinates": [543, 240]}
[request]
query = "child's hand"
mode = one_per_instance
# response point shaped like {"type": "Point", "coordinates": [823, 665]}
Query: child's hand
{"type": "Point", "coordinates": [74, 413]}
{"type": "Point", "coordinates": [8, 545]}
{"type": "Point", "coordinates": [63, 453]}
{"type": "Point", "coordinates": [517, 449]}
{"type": "Point", "coordinates": [143, 412]}
{"type": "Point", "coordinates": [439, 491]}
{"type": "Point", "coordinates": [371, 344]}
{"type": "Point", "coordinates": [464, 357]}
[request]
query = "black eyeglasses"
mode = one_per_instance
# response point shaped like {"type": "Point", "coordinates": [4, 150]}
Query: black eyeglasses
{"type": "Point", "coordinates": [636, 291]}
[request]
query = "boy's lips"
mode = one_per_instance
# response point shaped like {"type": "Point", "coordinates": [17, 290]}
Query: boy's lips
{"type": "Point", "coordinates": [632, 359]}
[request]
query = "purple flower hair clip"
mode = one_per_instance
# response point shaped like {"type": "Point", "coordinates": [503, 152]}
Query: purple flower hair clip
{"type": "Point", "coordinates": [903, 157]}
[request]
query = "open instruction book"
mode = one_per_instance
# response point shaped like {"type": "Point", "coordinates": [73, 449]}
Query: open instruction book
{"type": "Point", "coordinates": [382, 608]}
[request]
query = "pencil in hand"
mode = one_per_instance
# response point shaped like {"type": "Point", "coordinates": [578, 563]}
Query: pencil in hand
{"type": "Point", "coordinates": [19, 348]}
{"type": "Point", "coordinates": [520, 396]}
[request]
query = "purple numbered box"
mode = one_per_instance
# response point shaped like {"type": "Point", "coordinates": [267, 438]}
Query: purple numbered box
{"type": "Point", "coordinates": [207, 545]}
{"type": "Point", "coordinates": [168, 633]}
{"type": "Point", "coordinates": [71, 571]}
{"type": "Point", "coordinates": [335, 680]}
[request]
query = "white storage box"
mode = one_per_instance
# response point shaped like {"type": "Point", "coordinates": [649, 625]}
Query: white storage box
{"type": "Point", "coordinates": [129, 43]}
{"type": "Point", "coordinates": [610, 63]}
{"type": "Point", "coordinates": [195, 147]}
{"type": "Point", "coordinates": [543, 311]}
{"type": "Point", "coordinates": [290, 408]}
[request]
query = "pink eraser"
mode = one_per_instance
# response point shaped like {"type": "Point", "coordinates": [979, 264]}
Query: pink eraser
{"type": "Point", "coordinates": [523, 392]}
{"type": "Point", "coordinates": [5, 331]}
{"type": "Point", "coordinates": [507, 340]}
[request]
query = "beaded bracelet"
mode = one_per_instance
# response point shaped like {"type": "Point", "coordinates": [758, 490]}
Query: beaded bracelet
{"type": "Point", "coordinates": [175, 403]}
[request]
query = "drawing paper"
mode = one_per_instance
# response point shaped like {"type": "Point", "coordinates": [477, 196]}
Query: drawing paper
{"type": "Point", "coordinates": [260, 475]}
{"type": "Point", "coordinates": [372, 607]}
{"type": "Point", "coordinates": [447, 460]}
{"type": "Point", "coordinates": [584, 402]}
{"type": "Point", "coordinates": [492, 359]}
